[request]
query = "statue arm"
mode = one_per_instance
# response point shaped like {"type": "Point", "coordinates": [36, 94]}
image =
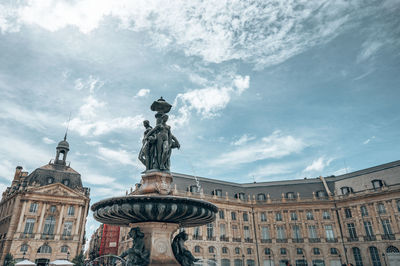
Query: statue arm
{"type": "Point", "coordinates": [176, 141]}
{"type": "Point", "coordinates": [151, 132]}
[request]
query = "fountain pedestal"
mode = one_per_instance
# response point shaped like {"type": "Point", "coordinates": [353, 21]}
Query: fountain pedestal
{"type": "Point", "coordinates": [158, 239]}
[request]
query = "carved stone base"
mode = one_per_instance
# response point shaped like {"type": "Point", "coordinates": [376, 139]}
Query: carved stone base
{"type": "Point", "coordinates": [158, 239]}
{"type": "Point", "coordinates": [156, 182]}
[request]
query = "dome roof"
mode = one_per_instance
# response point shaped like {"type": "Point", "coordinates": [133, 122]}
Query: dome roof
{"type": "Point", "coordinates": [63, 144]}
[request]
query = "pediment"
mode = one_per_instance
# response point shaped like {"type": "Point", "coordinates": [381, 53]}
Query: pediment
{"type": "Point", "coordinates": [56, 189]}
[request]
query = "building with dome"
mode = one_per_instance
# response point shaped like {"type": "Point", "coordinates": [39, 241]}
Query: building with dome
{"type": "Point", "coordinates": [43, 214]}
{"type": "Point", "coordinates": [324, 221]}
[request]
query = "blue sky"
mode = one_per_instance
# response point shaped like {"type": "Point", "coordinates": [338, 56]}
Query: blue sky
{"type": "Point", "coordinates": [262, 90]}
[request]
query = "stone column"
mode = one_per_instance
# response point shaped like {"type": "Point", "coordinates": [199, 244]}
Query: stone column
{"type": "Point", "coordinates": [21, 217]}
{"type": "Point", "coordinates": [40, 221]}
{"type": "Point", "coordinates": [59, 223]}
{"type": "Point", "coordinates": [76, 236]}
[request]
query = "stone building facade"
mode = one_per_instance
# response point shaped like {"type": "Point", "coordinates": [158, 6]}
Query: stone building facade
{"type": "Point", "coordinates": [43, 214]}
{"type": "Point", "coordinates": [352, 218]}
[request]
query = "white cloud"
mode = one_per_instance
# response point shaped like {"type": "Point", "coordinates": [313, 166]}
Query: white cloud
{"type": "Point", "coordinates": [263, 33]}
{"type": "Point", "coordinates": [368, 49]}
{"type": "Point", "coordinates": [341, 171]}
{"type": "Point", "coordinates": [272, 170]}
{"type": "Point", "coordinates": [90, 84]}
{"type": "Point", "coordinates": [48, 140]}
{"type": "Point", "coordinates": [119, 156]}
{"type": "Point", "coordinates": [96, 179]}
{"type": "Point", "coordinates": [93, 143]}
{"type": "Point", "coordinates": [274, 146]}
{"type": "Point", "coordinates": [318, 164]}
{"type": "Point", "coordinates": [243, 140]}
{"type": "Point", "coordinates": [208, 101]}
{"type": "Point", "coordinates": [142, 92]}
{"type": "Point", "coordinates": [7, 170]}
{"type": "Point", "coordinates": [3, 187]}
{"type": "Point", "coordinates": [368, 140]}
{"type": "Point", "coordinates": [91, 121]}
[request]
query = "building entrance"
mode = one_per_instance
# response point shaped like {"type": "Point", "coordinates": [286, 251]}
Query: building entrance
{"type": "Point", "coordinates": [42, 262]}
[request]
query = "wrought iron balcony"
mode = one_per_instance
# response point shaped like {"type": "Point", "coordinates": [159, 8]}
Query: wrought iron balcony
{"type": "Point", "coordinates": [236, 239]}
{"type": "Point", "coordinates": [248, 240]}
{"type": "Point", "coordinates": [211, 238]}
{"type": "Point", "coordinates": [352, 239]}
{"type": "Point", "coordinates": [266, 240]}
{"type": "Point", "coordinates": [281, 240]}
{"type": "Point", "coordinates": [369, 238]}
{"type": "Point", "coordinates": [314, 240]}
{"type": "Point", "coordinates": [27, 235]}
{"type": "Point", "coordinates": [197, 237]}
{"type": "Point", "coordinates": [331, 240]}
{"type": "Point", "coordinates": [46, 236]}
{"type": "Point", "coordinates": [388, 237]}
{"type": "Point", "coordinates": [224, 238]}
{"type": "Point", "coordinates": [298, 240]}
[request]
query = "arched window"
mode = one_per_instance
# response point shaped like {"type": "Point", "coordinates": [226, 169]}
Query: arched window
{"type": "Point", "coordinates": [316, 251]}
{"type": "Point", "coordinates": [50, 180]}
{"type": "Point", "coordinates": [211, 249]}
{"type": "Point", "coordinates": [334, 251]}
{"type": "Point", "coordinates": [290, 195]}
{"type": "Point", "coordinates": [225, 262]}
{"type": "Point", "coordinates": [261, 197]}
{"type": "Point", "coordinates": [24, 248]}
{"type": "Point", "coordinates": [197, 249]}
{"type": "Point", "coordinates": [267, 251]}
{"type": "Point", "coordinates": [392, 249]}
{"type": "Point", "coordinates": [44, 249]}
{"type": "Point", "coordinates": [240, 196]}
{"type": "Point", "coordinates": [65, 182]}
{"type": "Point", "coordinates": [376, 261]}
{"type": "Point", "coordinates": [217, 192]}
{"type": "Point", "coordinates": [357, 256]}
{"type": "Point", "coordinates": [238, 262]}
{"type": "Point", "coordinates": [283, 251]}
{"type": "Point", "coordinates": [64, 249]}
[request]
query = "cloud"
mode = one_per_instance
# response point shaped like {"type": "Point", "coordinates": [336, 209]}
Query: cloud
{"type": "Point", "coordinates": [93, 143]}
{"type": "Point", "coordinates": [243, 140]}
{"type": "Point", "coordinates": [272, 170]}
{"type": "Point", "coordinates": [208, 101]}
{"type": "Point", "coordinates": [90, 84]}
{"type": "Point", "coordinates": [318, 164]}
{"type": "Point", "coordinates": [341, 171]}
{"type": "Point", "coordinates": [96, 179]}
{"type": "Point", "coordinates": [119, 156]}
{"type": "Point", "coordinates": [89, 120]}
{"type": "Point", "coordinates": [259, 32]}
{"type": "Point", "coordinates": [48, 140]}
{"type": "Point", "coordinates": [275, 145]}
{"type": "Point", "coordinates": [142, 92]}
{"type": "Point", "coordinates": [7, 169]}
{"type": "Point", "coordinates": [368, 140]}
{"type": "Point", "coordinates": [368, 49]}
{"type": "Point", "coordinates": [3, 188]}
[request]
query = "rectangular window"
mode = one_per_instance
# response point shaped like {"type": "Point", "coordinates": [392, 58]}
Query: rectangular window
{"type": "Point", "coordinates": [233, 216]}
{"type": "Point", "coordinates": [387, 229]}
{"type": "Point", "coordinates": [310, 215]}
{"type": "Point", "coordinates": [34, 207]}
{"type": "Point", "coordinates": [221, 214]}
{"type": "Point", "coordinates": [235, 231]}
{"type": "Point", "coordinates": [352, 230]}
{"type": "Point", "coordinates": [296, 232]}
{"type": "Point", "coordinates": [67, 228]}
{"type": "Point", "coordinates": [326, 215]}
{"type": "Point", "coordinates": [245, 217]}
{"type": "Point", "coordinates": [30, 223]}
{"type": "Point", "coordinates": [222, 231]}
{"type": "Point", "coordinates": [278, 216]}
{"type": "Point", "coordinates": [364, 211]}
{"type": "Point", "coordinates": [280, 232]}
{"type": "Point", "coordinates": [71, 211]}
{"type": "Point", "coordinates": [196, 232]}
{"type": "Point", "coordinates": [329, 232]}
{"type": "Point", "coordinates": [265, 233]}
{"type": "Point", "coordinates": [381, 208]}
{"type": "Point", "coordinates": [293, 216]}
{"type": "Point", "coordinates": [263, 216]}
{"type": "Point", "coordinates": [49, 226]}
{"type": "Point", "coordinates": [246, 231]}
{"type": "Point", "coordinates": [312, 232]}
{"type": "Point", "coordinates": [210, 230]}
{"type": "Point", "coordinates": [347, 212]}
{"type": "Point", "coordinates": [368, 229]}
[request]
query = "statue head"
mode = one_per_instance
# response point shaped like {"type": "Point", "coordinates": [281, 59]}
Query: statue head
{"type": "Point", "coordinates": [164, 118]}
{"type": "Point", "coordinates": [146, 123]}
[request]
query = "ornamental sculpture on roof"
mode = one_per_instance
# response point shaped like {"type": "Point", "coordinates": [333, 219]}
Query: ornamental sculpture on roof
{"type": "Point", "coordinates": [158, 142]}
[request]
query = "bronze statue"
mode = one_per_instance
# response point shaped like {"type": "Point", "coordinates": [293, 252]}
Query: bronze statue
{"type": "Point", "coordinates": [137, 254]}
{"type": "Point", "coordinates": [158, 141]}
{"type": "Point", "coordinates": [182, 255]}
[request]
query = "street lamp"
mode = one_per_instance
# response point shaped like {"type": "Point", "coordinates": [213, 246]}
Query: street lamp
{"type": "Point", "coordinates": [384, 259]}
{"type": "Point", "coordinates": [23, 255]}
{"type": "Point", "coordinates": [303, 261]}
{"type": "Point", "coordinates": [269, 258]}
{"type": "Point", "coordinates": [243, 259]}
{"type": "Point", "coordinates": [340, 258]}
{"type": "Point", "coordinates": [68, 255]}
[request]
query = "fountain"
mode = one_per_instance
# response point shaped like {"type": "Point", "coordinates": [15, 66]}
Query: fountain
{"type": "Point", "coordinates": [153, 211]}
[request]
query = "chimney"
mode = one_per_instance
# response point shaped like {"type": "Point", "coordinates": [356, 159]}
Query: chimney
{"type": "Point", "coordinates": [17, 174]}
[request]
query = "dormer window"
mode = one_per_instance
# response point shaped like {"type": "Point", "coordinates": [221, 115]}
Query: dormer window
{"type": "Point", "coordinates": [346, 190]}
{"type": "Point", "coordinates": [193, 188]}
{"type": "Point", "coordinates": [290, 195]}
{"type": "Point", "coordinates": [66, 182]}
{"type": "Point", "coordinates": [321, 194]}
{"type": "Point", "coordinates": [377, 183]}
{"type": "Point", "coordinates": [217, 192]}
{"type": "Point", "coordinates": [261, 197]}
{"type": "Point", "coordinates": [50, 180]}
{"type": "Point", "coordinates": [240, 196]}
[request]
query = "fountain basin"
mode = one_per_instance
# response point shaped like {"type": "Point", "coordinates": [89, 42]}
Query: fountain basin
{"type": "Point", "coordinates": [127, 210]}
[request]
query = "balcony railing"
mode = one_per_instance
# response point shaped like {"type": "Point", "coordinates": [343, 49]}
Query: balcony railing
{"type": "Point", "coordinates": [266, 240]}
{"type": "Point", "coordinates": [388, 237]}
{"type": "Point", "coordinates": [369, 238]}
{"type": "Point", "coordinates": [211, 238]}
{"type": "Point", "coordinates": [45, 236]}
{"type": "Point", "coordinates": [248, 240]}
{"type": "Point", "coordinates": [298, 240]}
{"type": "Point", "coordinates": [314, 240]}
{"type": "Point", "coordinates": [281, 240]}
{"type": "Point", "coordinates": [27, 235]}
{"type": "Point", "coordinates": [236, 239]}
{"type": "Point", "coordinates": [224, 238]}
{"type": "Point", "coordinates": [352, 239]}
{"type": "Point", "coordinates": [64, 237]}
{"type": "Point", "coordinates": [196, 237]}
{"type": "Point", "coordinates": [331, 240]}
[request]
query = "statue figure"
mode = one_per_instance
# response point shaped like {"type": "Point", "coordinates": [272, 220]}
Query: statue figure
{"type": "Point", "coordinates": [147, 150]}
{"type": "Point", "coordinates": [182, 255]}
{"type": "Point", "coordinates": [137, 254]}
{"type": "Point", "coordinates": [164, 143]}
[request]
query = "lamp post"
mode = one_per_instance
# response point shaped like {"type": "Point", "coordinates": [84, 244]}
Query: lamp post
{"type": "Point", "coordinates": [243, 259]}
{"type": "Point", "coordinates": [68, 255]}
{"type": "Point", "coordinates": [340, 258]}
{"type": "Point", "coordinates": [269, 258]}
{"type": "Point", "coordinates": [384, 259]}
{"type": "Point", "coordinates": [23, 255]}
{"type": "Point", "coordinates": [305, 264]}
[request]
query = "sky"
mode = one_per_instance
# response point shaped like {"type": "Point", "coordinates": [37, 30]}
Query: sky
{"type": "Point", "coordinates": [261, 90]}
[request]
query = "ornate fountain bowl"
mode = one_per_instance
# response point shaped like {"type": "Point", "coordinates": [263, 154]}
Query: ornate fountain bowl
{"type": "Point", "coordinates": [126, 210]}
